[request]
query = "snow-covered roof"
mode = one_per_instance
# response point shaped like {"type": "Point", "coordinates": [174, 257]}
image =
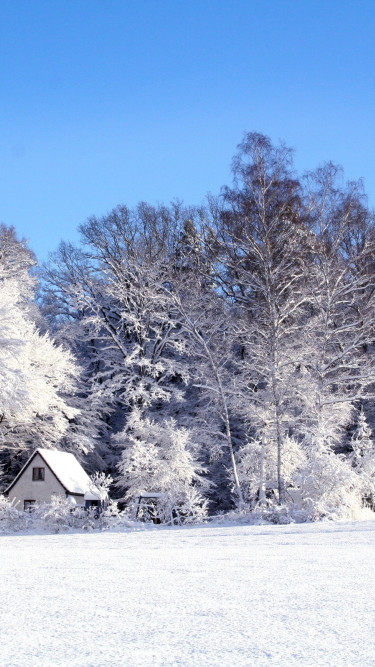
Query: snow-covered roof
{"type": "Point", "coordinates": [67, 469]}
{"type": "Point", "coordinates": [149, 494]}
{"type": "Point", "coordinates": [89, 495]}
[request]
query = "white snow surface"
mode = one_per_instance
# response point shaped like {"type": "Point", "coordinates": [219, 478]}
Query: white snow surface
{"type": "Point", "coordinates": [206, 595]}
{"type": "Point", "coordinates": [68, 470]}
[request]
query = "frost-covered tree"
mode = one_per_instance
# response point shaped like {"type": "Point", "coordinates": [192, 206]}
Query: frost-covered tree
{"type": "Point", "coordinates": [328, 486]}
{"type": "Point", "coordinates": [338, 367]}
{"type": "Point", "coordinates": [206, 327]}
{"type": "Point", "coordinates": [113, 307]}
{"type": "Point", "coordinates": [361, 442]}
{"type": "Point", "coordinates": [362, 458]}
{"type": "Point", "coordinates": [100, 484]}
{"type": "Point", "coordinates": [17, 262]}
{"type": "Point", "coordinates": [159, 457]}
{"type": "Point", "coordinates": [36, 373]}
{"type": "Point", "coordinates": [257, 464]}
{"type": "Point", "coordinates": [261, 242]}
{"type": "Point", "coordinates": [248, 325]}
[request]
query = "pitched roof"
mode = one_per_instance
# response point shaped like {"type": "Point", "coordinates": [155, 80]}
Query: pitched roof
{"type": "Point", "coordinates": [65, 467]}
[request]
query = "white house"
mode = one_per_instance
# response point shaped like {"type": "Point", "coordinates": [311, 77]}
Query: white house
{"type": "Point", "coordinates": [48, 473]}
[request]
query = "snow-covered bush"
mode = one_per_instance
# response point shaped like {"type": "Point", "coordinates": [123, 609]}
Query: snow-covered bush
{"type": "Point", "coordinates": [111, 517]}
{"type": "Point", "coordinates": [100, 483]}
{"type": "Point", "coordinates": [185, 506]}
{"type": "Point", "coordinates": [7, 509]}
{"type": "Point", "coordinates": [318, 483]}
{"type": "Point", "coordinates": [193, 507]}
{"type": "Point", "coordinates": [60, 516]}
{"type": "Point", "coordinates": [257, 467]}
{"type": "Point", "coordinates": [158, 458]}
{"type": "Point", "coordinates": [329, 487]}
{"type": "Point", "coordinates": [10, 518]}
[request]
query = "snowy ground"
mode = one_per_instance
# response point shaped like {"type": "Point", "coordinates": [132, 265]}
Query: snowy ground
{"type": "Point", "coordinates": [233, 596]}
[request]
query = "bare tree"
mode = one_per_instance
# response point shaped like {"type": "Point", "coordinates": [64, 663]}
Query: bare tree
{"type": "Point", "coordinates": [338, 365]}
{"type": "Point", "coordinates": [261, 241]}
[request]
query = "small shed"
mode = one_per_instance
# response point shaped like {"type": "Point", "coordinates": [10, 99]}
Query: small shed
{"type": "Point", "coordinates": [50, 473]}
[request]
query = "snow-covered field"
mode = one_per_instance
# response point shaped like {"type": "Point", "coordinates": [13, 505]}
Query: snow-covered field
{"type": "Point", "coordinates": [214, 595]}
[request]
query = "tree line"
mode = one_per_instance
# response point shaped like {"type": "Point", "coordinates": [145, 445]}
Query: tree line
{"type": "Point", "coordinates": [221, 356]}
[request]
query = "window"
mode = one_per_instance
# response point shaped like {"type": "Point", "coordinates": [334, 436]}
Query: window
{"type": "Point", "coordinates": [38, 474]}
{"type": "Point", "coordinates": [28, 505]}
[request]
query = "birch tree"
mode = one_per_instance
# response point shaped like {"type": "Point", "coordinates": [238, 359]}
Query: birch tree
{"type": "Point", "coordinates": [261, 242]}
{"type": "Point", "coordinates": [206, 323]}
{"type": "Point", "coordinates": [338, 368]}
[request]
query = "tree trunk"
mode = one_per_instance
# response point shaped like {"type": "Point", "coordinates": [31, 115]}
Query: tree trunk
{"type": "Point", "coordinates": [262, 493]}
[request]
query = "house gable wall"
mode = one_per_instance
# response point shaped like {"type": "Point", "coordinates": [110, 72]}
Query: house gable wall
{"type": "Point", "coordinates": [40, 491]}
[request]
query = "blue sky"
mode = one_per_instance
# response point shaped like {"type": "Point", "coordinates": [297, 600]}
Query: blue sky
{"type": "Point", "coordinates": [115, 101]}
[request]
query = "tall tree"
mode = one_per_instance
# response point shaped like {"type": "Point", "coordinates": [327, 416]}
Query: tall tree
{"type": "Point", "coordinates": [338, 368]}
{"type": "Point", "coordinates": [261, 243]}
{"type": "Point", "coordinates": [112, 301]}
{"type": "Point", "coordinates": [36, 373]}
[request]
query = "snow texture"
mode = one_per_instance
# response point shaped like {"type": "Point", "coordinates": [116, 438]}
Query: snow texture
{"type": "Point", "coordinates": [68, 470]}
{"type": "Point", "coordinates": [202, 596]}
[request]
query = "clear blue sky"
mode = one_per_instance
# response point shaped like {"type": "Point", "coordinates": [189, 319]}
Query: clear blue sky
{"type": "Point", "coordinates": [115, 101]}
